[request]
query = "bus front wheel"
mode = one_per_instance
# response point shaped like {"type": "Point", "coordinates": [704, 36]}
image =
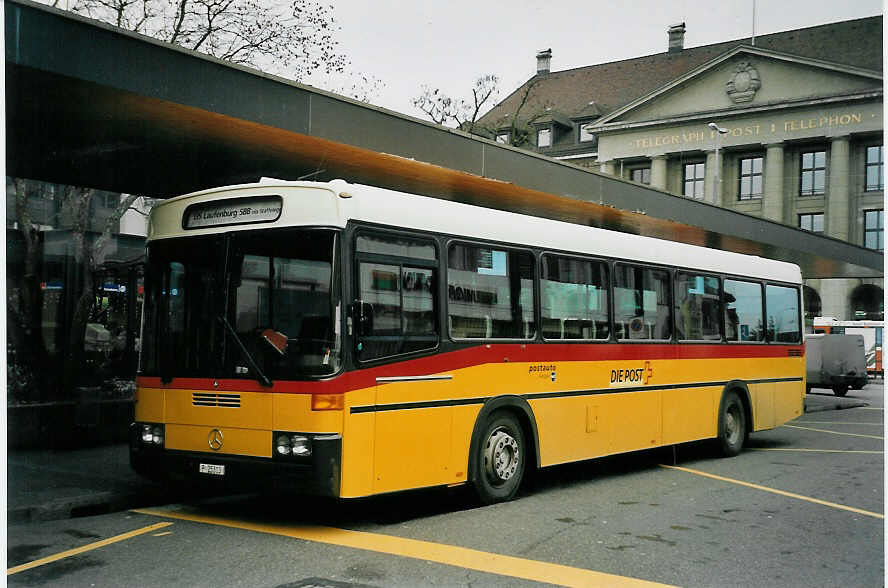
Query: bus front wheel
{"type": "Point", "coordinates": [501, 458]}
{"type": "Point", "coordinates": [731, 425]}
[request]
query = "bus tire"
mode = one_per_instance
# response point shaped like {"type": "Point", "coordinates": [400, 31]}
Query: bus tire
{"type": "Point", "coordinates": [501, 459]}
{"type": "Point", "coordinates": [840, 389]}
{"type": "Point", "coordinates": [731, 424]}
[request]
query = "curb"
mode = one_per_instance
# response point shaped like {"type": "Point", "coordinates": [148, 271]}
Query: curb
{"type": "Point", "coordinates": [83, 506]}
{"type": "Point", "coordinates": [834, 405]}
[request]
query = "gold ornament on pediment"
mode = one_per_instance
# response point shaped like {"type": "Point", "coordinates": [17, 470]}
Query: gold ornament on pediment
{"type": "Point", "coordinates": [744, 83]}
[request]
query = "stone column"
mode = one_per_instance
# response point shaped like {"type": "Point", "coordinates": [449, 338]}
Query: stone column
{"type": "Point", "coordinates": [773, 196]}
{"type": "Point", "coordinates": [712, 178]}
{"type": "Point", "coordinates": [658, 172]}
{"type": "Point", "coordinates": [606, 167]}
{"type": "Point", "coordinates": [838, 189]}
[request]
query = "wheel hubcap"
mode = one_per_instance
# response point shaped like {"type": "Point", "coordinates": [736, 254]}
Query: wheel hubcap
{"type": "Point", "coordinates": [501, 456]}
{"type": "Point", "coordinates": [732, 431]}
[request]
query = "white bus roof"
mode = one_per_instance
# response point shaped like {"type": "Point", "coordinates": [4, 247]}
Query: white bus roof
{"type": "Point", "coordinates": [335, 203]}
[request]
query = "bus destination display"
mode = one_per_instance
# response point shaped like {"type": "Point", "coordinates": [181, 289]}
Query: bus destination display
{"type": "Point", "coordinates": [260, 209]}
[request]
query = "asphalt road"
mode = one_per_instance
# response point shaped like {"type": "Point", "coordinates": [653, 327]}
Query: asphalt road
{"type": "Point", "coordinates": [802, 506]}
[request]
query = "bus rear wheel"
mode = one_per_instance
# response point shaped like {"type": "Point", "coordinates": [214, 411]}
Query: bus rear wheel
{"type": "Point", "coordinates": [500, 459]}
{"type": "Point", "coordinates": [731, 425]}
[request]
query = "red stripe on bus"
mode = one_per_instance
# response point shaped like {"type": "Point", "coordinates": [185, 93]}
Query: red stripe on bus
{"type": "Point", "coordinates": [484, 354]}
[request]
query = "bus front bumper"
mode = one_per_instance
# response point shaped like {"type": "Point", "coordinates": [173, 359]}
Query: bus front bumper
{"type": "Point", "coordinates": [318, 475]}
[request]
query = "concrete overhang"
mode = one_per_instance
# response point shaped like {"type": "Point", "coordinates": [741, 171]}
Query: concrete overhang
{"type": "Point", "coordinates": [91, 105]}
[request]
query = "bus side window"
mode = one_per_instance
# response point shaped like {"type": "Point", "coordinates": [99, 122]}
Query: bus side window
{"type": "Point", "coordinates": [397, 286]}
{"type": "Point", "coordinates": [743, 311]}
{"type": "Point", "coordinates": [574, 298]}
{"type": "Point", "coordinates": [642, 303]}
{"type": "Point", "coordinates": [697, 307]}
{"type": "Point", "coordinates": [490, 293]}
{"type": "Point", "coordinates": [782, 304]}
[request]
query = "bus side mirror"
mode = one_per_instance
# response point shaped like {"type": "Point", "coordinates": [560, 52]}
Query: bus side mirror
{"type": "Point", "coordinates": [363, 315]}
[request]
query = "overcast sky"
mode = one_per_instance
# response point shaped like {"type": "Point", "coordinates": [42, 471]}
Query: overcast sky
{"type": "Point", "coordinates": [450, 43]}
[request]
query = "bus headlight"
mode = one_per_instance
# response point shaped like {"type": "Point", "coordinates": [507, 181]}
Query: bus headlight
{"type": "Point", "coordinates": [291, 445]}
{"type": "Point", "coordinates": [152, 434]}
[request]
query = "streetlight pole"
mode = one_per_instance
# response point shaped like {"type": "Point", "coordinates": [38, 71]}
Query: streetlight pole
{"type": "Point", "coordinates": [719, 131]}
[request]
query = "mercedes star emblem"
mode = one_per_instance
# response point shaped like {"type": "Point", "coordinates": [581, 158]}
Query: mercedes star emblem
{"type": "Point", "coordinates": [215, 439]}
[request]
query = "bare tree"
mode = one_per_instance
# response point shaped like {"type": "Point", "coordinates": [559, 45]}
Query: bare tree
{"type": "Point", "coordinates": [292, 39]}
{"type": "Point", "coordinates": [443, 109]}
{"type": "Point", "coordinates": [518, 123]}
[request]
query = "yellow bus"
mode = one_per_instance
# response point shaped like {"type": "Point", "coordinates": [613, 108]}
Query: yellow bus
{"type": "Point", "coordinates": [348, 340]}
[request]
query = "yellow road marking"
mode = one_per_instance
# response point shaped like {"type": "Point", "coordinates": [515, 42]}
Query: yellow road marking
{"type": "Point", "coordinates": [776, 491]}
{"type": "Point", "coordinates": [164, 534]}
{"type": "Point", "coordinates": [451, 555]}
{"type": "Point", "coordinates": [834, 432]}
{"type": "Point", "coordinates": [837, 423]}
{"type": "Point", "coordinates": [813, 450]}
{"type": "Point", "coordinates": [85, 548]}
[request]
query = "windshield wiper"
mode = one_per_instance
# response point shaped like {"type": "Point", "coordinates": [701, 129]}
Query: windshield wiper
{"type": "Point", "coordinates": [260, 375]}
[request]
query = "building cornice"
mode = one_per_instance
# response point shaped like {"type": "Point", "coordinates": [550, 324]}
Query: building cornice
{"type": "Point", "coordinates": [735, 112]}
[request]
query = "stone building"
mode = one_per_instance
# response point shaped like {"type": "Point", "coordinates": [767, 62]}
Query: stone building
{"type": "Point", "coordinates": [786, 126]}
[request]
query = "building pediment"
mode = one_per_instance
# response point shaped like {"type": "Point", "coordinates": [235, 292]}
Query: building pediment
{"type": "Point", "coordinates": [746, 77]}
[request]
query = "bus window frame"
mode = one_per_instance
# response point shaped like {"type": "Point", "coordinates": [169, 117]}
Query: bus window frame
{"type": "Point", "coordinates": [670, 271]}
{"type": "Point", "coordinates": [800, 319]}
{"type": "Point", "coordinates": [764, 336]}
{"type": "Point", "coordinates": [721, 294]}
{"type": "Point", "coordinates": [535, 294]}
{"type": "Point", "coordinates": [355, 257]}
{"type": "Point", "coordinates": [608, 264]}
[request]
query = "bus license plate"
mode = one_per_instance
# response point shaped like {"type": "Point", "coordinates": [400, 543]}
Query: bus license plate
{"type": "Point", "coordinates": [210, 468]}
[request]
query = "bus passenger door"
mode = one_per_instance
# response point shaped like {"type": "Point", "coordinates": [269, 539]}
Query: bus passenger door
{"type": "Point", "coordinates": [397, 325]}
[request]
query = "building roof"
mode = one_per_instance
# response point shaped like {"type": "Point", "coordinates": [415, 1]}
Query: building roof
{"type": "Point", "coordinates": [615, 84]}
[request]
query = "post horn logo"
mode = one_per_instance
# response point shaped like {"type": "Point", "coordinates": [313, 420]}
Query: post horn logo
{"type": "Point", "coordinates": [215, 439]}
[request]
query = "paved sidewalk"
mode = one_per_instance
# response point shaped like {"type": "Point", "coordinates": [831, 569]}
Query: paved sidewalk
{"type": "Point", "coordinates": [47, 484]}
{"type": "Point", "coordinates": [44, 484]}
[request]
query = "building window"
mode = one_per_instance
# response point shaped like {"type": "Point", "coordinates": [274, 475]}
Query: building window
{"type": "Point", "coordinates": [694, 175]}
{"type": "Point", "coordinates": [811, 222]}
{"type": "Point", "coordinates": [873, 229]}
{"type": "Point", "coordinates": [813, 180]}
{"type": "Point", "coordinates": [875, 168]}
{"type": "Point", "coordinates": [586, 133]}
{"type": "Point", "coordinates": [502, 138]}
{"type": "Point", "coordinates": [544, 138]}
{"type": "Point", "coordinates": [750, 178]}
{"type": "Point", "coordinates": [641, 175]}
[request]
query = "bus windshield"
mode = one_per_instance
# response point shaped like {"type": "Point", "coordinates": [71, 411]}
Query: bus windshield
{"type": "Point", "coordinates": [252, 305]}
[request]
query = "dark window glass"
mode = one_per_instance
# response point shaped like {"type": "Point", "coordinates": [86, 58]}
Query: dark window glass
{"type": "Point", "coordinates": [641, 303]}
{"type": "Point", "coordinates": [743, 311]}
{"type": "Point", "coordinates": [751, 178]}
{"type": "Point", "coordinates": [490, 293]}
{"type": "Point", "coordinates": [574, 296]}
{"type": "Point", "coordinates": [874, 229]}
{"type": "Point", "coordinates": [641, 175]}
{"type": "Point", "coordinates": [694, 176]}
{"type": "Point", "coordinates": [280, 305]}
{"type": "Point", "coordinates": [782, 304]}
{"type": "Point", "coordinates": [397, 296]}
{"type": "Point", "coordinates": [811, 222]}
{"type": "Point", "coordinates": [875, 168]}
{"type": "Point", "coordinates": [813, 178]}
{"type": "Point", "coordinates": [697, 308]}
